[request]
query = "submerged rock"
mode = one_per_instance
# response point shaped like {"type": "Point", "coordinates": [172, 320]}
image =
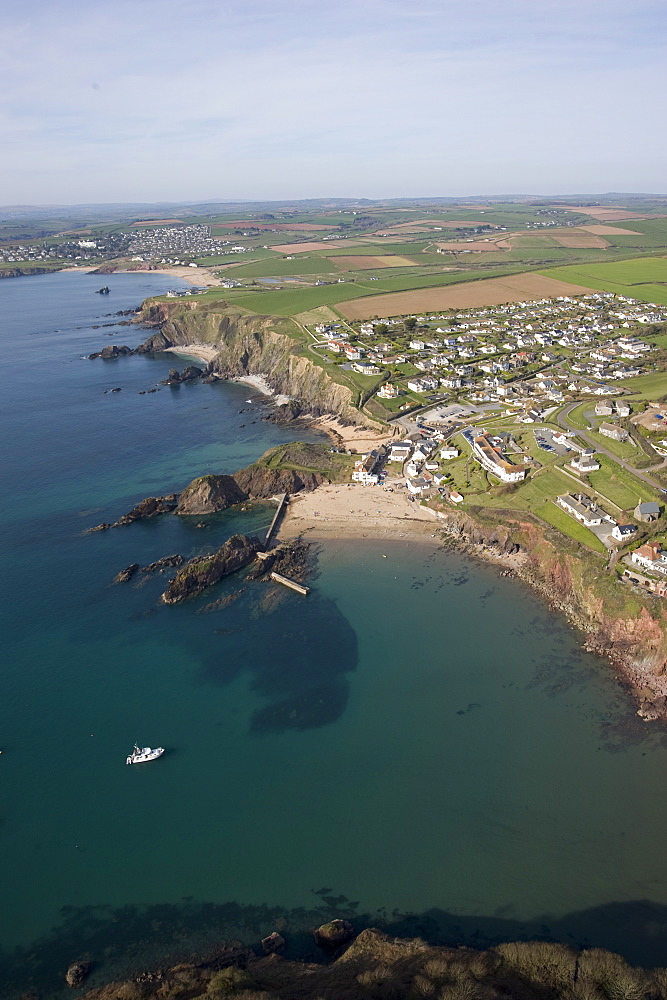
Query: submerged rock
{"type": "Point", "coordinates": [126, 574]}
{"type": "Point", "coordinates": [204, 571]}
{"type": "Point", "coordinates": [77, 973]}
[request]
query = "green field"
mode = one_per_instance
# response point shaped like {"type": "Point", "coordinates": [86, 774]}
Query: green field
{"type": "Point", "coordinates": [537, 494]}
{"type": "Point", "coordinates": [646, 386]}
{"type": "Point", "coordinates": [577, 418]}
{"type": "Point", "coordinates": [619, 485]}
{"type": "Point", "coordinates": [557, 517]}
{"type": "Point", "coordinates": [622, 449]}
{"type": "Point", "coordinates": [635, 277]}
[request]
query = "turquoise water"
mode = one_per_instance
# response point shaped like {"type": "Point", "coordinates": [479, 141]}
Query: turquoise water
{"type": "Point", "coordinates": [419, 744]}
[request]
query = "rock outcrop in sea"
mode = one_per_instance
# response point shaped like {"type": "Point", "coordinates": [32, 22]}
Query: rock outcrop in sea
{"type": "Point", "coordinates": [204, 571]}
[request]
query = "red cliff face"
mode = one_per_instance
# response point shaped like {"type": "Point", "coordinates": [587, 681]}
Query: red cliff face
{"type": "Point", "coordinates": [620, 623]}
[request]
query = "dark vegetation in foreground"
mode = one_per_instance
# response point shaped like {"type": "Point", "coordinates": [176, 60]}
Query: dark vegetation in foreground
{"type": "Point", "coordinates": [212, 951]}
{"type": "Point", "coordinates": [379, 966]}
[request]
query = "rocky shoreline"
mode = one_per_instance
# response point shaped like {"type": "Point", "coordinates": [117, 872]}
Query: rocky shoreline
{"type": "Point", "coordinates": [374, 964]}
{"type": "Point", "coordinates": [569, 581]}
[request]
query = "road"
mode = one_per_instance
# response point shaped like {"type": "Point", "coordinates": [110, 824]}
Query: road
{"type": "Point", "coordinates": [566, 425]}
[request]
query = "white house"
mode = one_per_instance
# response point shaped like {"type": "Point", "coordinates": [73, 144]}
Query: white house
{"type": "Point", "coordinates": [389, 391]}
{"type": "Point", "coordinates": [488, 450]}
{"type": "Point", "coordinates": [400, 452]}
{"type": "Point", "coordinates": [651, 556]}
{"type": "Point", "coordinates": [449, 452]}
{"type": "Point", "coordinates": [623, 531]}
{"type": "Point", "coordinates": [581, 508]}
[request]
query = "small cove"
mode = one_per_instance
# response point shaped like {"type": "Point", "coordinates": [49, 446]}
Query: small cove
{"type": "Point", "coordinates": [418, 737]}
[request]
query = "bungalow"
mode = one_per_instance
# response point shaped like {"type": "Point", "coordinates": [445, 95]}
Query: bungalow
{"type": "Point", "coordinates": [603, 409]}
{"type": "Point", "coordinates": [331, 334]}
{"type": "Point", "coordinates": [455, 497]}
{"type": "Point", "coordinates": [582, 508]}
{"type": "Point", "coordinates": [449, 452]}
{"type": "Point", "coordinates": [614, 431]}
{"type": "Point", "coordinates": [366, 329]}
{"type": "Point", "coordinates": [584, 463]}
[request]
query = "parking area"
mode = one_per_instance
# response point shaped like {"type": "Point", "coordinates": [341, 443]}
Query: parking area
{"type": "Point", "coordinates": [545, 441]}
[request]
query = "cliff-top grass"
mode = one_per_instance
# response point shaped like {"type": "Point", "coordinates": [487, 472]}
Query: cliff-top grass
{"type": "Point", "coordinates": [302, 456]}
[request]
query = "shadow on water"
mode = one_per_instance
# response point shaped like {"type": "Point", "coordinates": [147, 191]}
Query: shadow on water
{"type": "Point", "coordinates": [279, 645]}
{"type": "Point", "coordinates": [132, 939]}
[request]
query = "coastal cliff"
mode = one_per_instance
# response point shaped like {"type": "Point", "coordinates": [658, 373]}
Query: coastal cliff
{"type": "Point", "coordinates": [251, 345]}
{"type": "Point", "coordinates": [621, 623]}
{"type": "Point", "coordinates": [25, 271]}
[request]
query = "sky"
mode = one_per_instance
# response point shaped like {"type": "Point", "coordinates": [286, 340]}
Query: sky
{"type": "Point", "coordinates": [162, 100]}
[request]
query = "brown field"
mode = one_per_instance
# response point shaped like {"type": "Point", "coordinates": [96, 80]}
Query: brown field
{"type": "Point", "coordinates": [280, 226]}
{"type": "Point", "coordinates": [367, 263]}
{"type": "Point", "coordinates": [564, 237]}
{"type": "Point", "coordinates": [156, 222]}
{"type": "Point", "coordinates": [477, 245]}
{"type": "Point", "coordinates": [290, 248]}
{"type": "Point", "coordinates": [487, 292]}
{"type": "Point", "coordinates": [427, 226]}
{"type": "Point", "coordinates": [611, 214]}
{"type": "Point", "coordinates": [610, 231]}
{"type": "Point", "coordinates": [581, 241]}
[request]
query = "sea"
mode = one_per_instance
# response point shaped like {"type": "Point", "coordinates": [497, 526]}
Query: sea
{"type": "Point", "coordinates": [419, 745]}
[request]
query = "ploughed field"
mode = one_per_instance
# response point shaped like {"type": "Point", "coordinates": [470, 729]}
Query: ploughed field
{"type": "Point", "coordinates": [491, 291]}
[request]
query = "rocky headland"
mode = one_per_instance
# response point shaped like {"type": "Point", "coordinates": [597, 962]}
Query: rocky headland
{"type": "Point", "coordinates": [249, 344]}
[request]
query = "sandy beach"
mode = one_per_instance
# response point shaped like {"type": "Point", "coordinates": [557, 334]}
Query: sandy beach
{"type": "Point", "coordinates": [201, 276]}
{"type": "Point", "coordinates": [202, 351]}
{"type": "Point", "coordinates": [356, 439]}
{"type": "Point", "coordinates": [354, 510]}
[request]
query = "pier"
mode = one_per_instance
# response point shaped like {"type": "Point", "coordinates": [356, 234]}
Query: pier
{"type": "Point", "coordinates": [299, 587]}
{"type": "Point", "coordinates": [282, 503]}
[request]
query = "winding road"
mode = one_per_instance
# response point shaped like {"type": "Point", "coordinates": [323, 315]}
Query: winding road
{"type": "Point", "coordinates": [566, 425]}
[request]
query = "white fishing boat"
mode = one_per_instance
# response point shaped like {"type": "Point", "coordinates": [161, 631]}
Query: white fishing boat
{"type": "Point", "coordinates": [140, 755]}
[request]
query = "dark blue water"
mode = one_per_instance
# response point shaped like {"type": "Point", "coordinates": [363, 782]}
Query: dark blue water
{"type": "Point", "coordinates": [418, 744]}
